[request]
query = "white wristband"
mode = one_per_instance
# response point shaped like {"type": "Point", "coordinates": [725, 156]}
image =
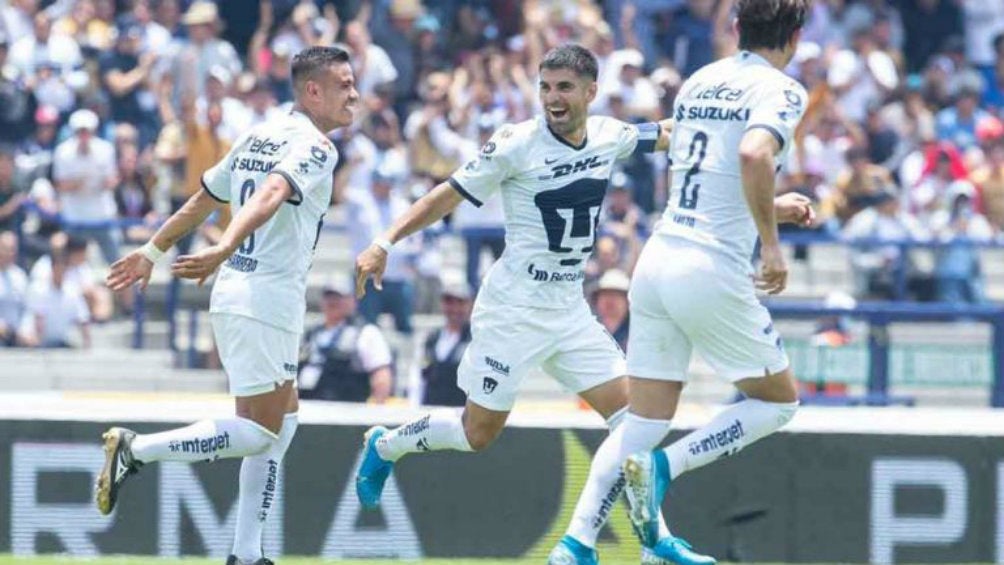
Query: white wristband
{"type": "Point", "coordinates": [151, 252]}
{"type": "Point", "coordinates": [383, 243]}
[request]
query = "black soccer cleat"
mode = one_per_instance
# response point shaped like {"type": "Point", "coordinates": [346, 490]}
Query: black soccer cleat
{"type": "Point", "coordinates": [119, 464]}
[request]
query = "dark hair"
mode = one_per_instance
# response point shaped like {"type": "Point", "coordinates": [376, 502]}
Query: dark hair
{"type": "Point", "coordinates": [574, 57]}
{"type": "Point", "coordinates": [307, 63]}
{"type": "Point", "coordinates": [75, 244]}
{"type": "Point", "coordinates": [769, 24]}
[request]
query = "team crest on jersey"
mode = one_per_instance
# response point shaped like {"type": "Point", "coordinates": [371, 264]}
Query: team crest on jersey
{"type": "Point", "coordinates": [793, 105]}
{"type": "Point", "coordinates": [489, 385]}
{"type": "Point", "coordinates": [489, 148]}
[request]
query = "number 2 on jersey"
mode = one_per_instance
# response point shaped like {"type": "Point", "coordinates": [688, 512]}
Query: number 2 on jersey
{"type": "Point", "coordinates": [247, 246]}
{"type": "Point", "coordinates": [689, 202]}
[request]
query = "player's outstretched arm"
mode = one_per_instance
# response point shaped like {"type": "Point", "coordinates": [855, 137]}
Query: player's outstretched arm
{"type": "Point", "coordinates": [261, 206]}
{"type": "Point", "coordinates": [138, 265]}
{"type": "Point", "coordinates": [756, 157]}
{"type": "Point", "coordinates": [665, 129]}
{"type": "Point", "coordinates": [429, 209]}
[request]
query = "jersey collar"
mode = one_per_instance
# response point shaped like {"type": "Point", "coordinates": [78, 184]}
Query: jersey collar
{"type": "Point", "coordinates": [565, 142]}
{"type": "Point", "coordinates": [752, 58]}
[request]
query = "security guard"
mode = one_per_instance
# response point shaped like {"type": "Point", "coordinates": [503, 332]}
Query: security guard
{"type": "Point", "coordinates": [344, 358]}
{"type": "Point", "coordinates": [445, 347]}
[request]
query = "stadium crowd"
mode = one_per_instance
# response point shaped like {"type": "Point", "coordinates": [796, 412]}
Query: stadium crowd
{"type": "Point", "coordinates": [111, 109]}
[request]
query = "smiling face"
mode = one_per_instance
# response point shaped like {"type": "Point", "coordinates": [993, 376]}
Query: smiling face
{"type": "Point", "coordinates": [565, 97]}
{"type": "Point", "coordinates": [331, 96]}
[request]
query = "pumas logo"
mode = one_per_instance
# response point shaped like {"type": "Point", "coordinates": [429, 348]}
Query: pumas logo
{"type": "Point", "coordinates": [489, 385]}
{"type": "Point", "coordinates": [497, 366]}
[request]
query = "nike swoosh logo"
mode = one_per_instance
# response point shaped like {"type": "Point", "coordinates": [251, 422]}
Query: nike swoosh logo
{"type": "Point", "coordinates": [549, 161]}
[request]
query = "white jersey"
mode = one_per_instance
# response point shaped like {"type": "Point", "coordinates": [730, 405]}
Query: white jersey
{"type": "Point", "coordinates": [715, 108]}
{"type": "Point", "coordinates": [551, 193]}
{"type": "Point", "coordinates": [266, 279]}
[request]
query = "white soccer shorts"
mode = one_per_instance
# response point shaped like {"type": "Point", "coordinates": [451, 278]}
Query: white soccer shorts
{"type": "Point", "coordinates": [508, 341]}
{"type": "Point", "coordinates": [684, 297]}
{"type": "Point", "coordinates": [257, 357]}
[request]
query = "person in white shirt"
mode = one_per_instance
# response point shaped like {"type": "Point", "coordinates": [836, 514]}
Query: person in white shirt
{"type": "Point", "coordinates": [277, 181]}
{"type": "Point", "coordinates": [694, 285]}
{"type": "Point", "coordinates": [13, 291]}
{"type": "Point", "coordinates": [85, 172]}
{"type": "Point", "coordinates": [55, 307]}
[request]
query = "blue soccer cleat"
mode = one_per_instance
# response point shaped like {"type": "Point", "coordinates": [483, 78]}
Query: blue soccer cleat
{"type": "Point", "coordinates": [674, 550]}
{"type": "Point", "coordinates": [373, 471]}
{"type": "Point", "coordinates": [571, 551]}
{"type": "Point", "coordinates": [647, 479]}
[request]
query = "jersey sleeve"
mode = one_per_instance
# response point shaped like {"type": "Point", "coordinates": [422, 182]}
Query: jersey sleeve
{"type": "Point", "coordinates": [779, 111]}
{"type": "Point", "coordinates": [216, 180]}
{"type": "Point", "coordinates": [637, 138]}
{"type": "Point", "coordinates": [307, 166]}
{"type": "Point", "coordinates": [482, 176]}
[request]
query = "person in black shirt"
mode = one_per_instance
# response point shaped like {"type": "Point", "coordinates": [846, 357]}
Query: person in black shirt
{"type": "Point", "coordinates": [444, 348]}
{"type": "Point", "coordinates": [124, 74]}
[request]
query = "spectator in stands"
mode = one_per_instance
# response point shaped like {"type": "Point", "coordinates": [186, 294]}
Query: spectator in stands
{"type": "Point", "coordinates": [125, 72]}
{"type": "Point", "coordinates": [624, 220]}
{"type": "Point", "coordinates": [51, 62]}
{"type": "Point", "coordinates": [857, 186]}
{"type": "Point", "coordinates": [831, 331]}
{"type": "Point", "coordinates": [133, 198]}
{"type": "Point", "coordinates": [989, 179]}
{"type": "Point", "coordinates": [606, 256]}
{"type": "Point", "coordinates": [436, 364]}
{"type": "Point", "coordinates": [927, 24]}
{"type": "Point", "coordinates": [943, 167]}
{"type": "Point", "coordinates": [77, 273]}
{"type": "Point", "coordinates": [369, 60]}
{"type": "Point", "coordinates": [11, 197]}
{"type": "Point", "coordinates": [344, 358]}
{"type": "Point", "coordinates": [369, 216]}
{"type": "Point", "coordinates": [17, 101]}
{"type": "Point", "coordinates": [878, 267]}
{"type": "Point", "coordinates": [84, 171]}
{"type": "Point", "coordinates": [154, 38]}
{"type": "Point", "coordinates": [958, 275]}
{"type": "Point", "coordinates": [16, 16]}
{"type": "Point", "coordinates": [957, 123]}
{"type": "Point", "coordinates": [203, 51]}
{"type": "Point", "coordinates": [610, 303]}
{"type": "Point", "coordinates": [55, 307]}
{"type": "Point", "coordinates": [13, 291]}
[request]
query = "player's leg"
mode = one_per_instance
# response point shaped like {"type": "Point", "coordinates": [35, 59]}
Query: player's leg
{"type": "Point", "coordinates": [258, 483]}
{"type": "Point", "coordinates": [254, 356]}
{"type": "Point", "coordinates": [490, 373]}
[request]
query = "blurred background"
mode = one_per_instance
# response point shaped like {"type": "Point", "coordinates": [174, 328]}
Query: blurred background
{"type": "Point", "coordinates": [111, 109]}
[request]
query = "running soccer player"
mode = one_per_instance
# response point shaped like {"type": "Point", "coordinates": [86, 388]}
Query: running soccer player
{"type": "Point", "coordinates": [277, 180]}
{"type": "Point", "coordinates": [552, 173]}
{"type": "Point", "coordinates": [694, 287]}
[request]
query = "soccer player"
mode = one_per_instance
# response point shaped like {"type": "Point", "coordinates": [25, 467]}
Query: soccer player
{"type": "Point", "coordinates": [551, 173]}
{"type": "Point", "coordinates": [694, 286]}
{"type": "Point", "coordinates": [277, 180]}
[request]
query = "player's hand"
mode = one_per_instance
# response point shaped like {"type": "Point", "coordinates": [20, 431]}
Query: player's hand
{"type": "Point", "coordinates": [773, 270]}
{"type": "Point", "coordinates": [129, 270]}
{"type": "Point", "coordinates": [201, 265]}
{"type": "Point", "coordinates": [370, 263]}
{"type": "Point", "coordinates": [794, 208]}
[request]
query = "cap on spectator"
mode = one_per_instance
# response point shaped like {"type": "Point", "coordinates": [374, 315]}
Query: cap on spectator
{"type": "Point", "coordinates": [959, 188]}
{"type": "Point", "coordinates": [428, 23]}
{"type": "Point", "coordinates": [128, 26]}
{"type": "Point", "coordinates": [883, 69]}
{"type": "Point", "coordinates": [46, 115]}
{"type": "Point", "coordinates": [989, 128]}
{"type": "Point", "coordinates": [620, 181]}
{"type": "Point", "coordinates": [843, 68]}
{"type": "Point", "coordinates": [614, 279]}
{"type": "Point", "coordinates": [200, 12]}
{"type": "Point", "coordinates": [666, 77]}
{"type": "Point", "coordinates": [338, 286]}
{"type": "Point", "coordinates": [456, 290]}
{"type": "Point", "coordinates": [406, 9]}
{"type": "Point", "coordinates": [807, 51]}
{"type": "Point", "coordinates": [220, 73]}
{"type": "Point", "coordinates": [632, 57]}
{"type": "Point", "coordinates": [84, 119]}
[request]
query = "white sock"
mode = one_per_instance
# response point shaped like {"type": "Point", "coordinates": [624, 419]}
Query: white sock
{"type": "Point", "coordinates": [206, 440]}
{"type": "Point", "coordinates": [259, 485]}
{"type": "Point", "coordinates": [606, 482]}
{"type": "Point", "coordinates": [738, 426]}
{"type": "Point", "coordinates": [439, 430]}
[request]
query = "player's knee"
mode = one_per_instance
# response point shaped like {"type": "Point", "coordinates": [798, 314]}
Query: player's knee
{"type": "Point", "coordinates": [481, 435]}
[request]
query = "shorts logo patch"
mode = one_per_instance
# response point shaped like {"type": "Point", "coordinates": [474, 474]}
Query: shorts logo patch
{"type": "Point", "coordinates": [489, 385]}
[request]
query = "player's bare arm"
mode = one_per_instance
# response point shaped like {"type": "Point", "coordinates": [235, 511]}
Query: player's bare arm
{"type": "Point", "coordinates": [426, 211]}
{"type": "Point", "coordinates": [137, 266]}
{"type": "Point", "coordinates": [261, 206]}
{"type": "Point", "coordinates": [794, 208]}
{"type": "Point", "coordinates": [665, 129]}
{"type": "Point", "coordinates": [756, 157]}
